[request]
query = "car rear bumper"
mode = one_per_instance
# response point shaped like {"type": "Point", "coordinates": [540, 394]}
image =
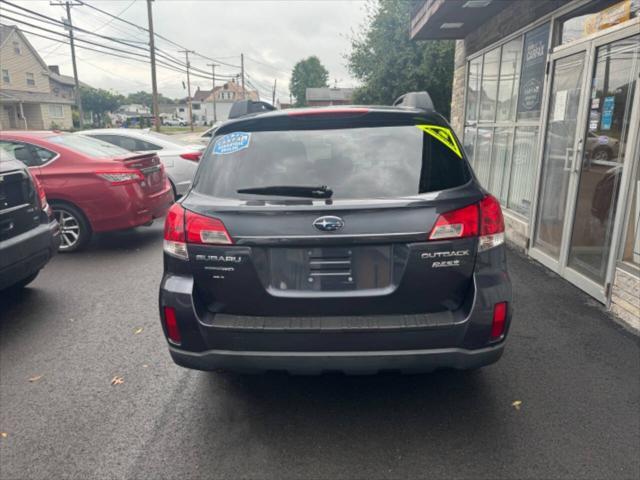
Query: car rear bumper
{"type": "Point", "coordinates": [131, 208]}
{"type": "Point", "coordinates": [459, 338]}
{"type": "Point", "coordinates": [357, 363]}
{"type": "Point", "coordinates": [25, 254]}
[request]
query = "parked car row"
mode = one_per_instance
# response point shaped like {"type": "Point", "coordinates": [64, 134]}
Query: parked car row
{"type": "Point", "coordinates": [91, 185]}
{"type": "Point", "coordinates": [180, 159]}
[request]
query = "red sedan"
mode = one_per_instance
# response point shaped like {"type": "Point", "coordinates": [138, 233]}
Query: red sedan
{"type": "Point", "coordinates": [92, 186]}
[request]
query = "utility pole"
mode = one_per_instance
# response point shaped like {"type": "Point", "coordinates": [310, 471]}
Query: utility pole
{"type": "Point", "coordinates": [242, 74]}
{"type": "Point", "coordinates": [213, 92]}
{"type": "Point", "coordinates": [186, 54]}
{"type": "Point", "coordinates": [69, 26]}
{"type": "Point", "coordinates": [154, 83]}
{"type": "Point", "coordinates": [273, 97]}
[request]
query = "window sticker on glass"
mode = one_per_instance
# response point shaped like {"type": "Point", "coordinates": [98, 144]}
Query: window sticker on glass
{"type": "Point", "coordinates": [232, 143]}
{"type": "Point", "coordinates": [444, 135]}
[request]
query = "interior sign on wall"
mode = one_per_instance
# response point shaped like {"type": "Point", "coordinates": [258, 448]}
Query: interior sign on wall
{"type": "Point", "coordinates": [533, 67]}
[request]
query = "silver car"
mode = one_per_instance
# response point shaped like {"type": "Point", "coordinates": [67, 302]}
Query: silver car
{"type": "Point", "coordinates": [179, 158]}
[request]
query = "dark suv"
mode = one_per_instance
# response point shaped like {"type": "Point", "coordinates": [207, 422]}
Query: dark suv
{"type": "Point", "coordinates": [29, 235]}
{"type": "Point", "coordinates": [351, 239]}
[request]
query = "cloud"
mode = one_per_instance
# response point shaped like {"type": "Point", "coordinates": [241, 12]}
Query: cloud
{"type": "Point", "coordinates": [273, 35]}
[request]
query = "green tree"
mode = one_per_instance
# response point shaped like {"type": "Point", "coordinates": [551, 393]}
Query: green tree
{"type": "Point", "coordinates": [388, 63]}
{"type": "Point", "coordinates": [100, 101]}
{"type": "Point", "coordinates": [307, 73]}
{"type": "Point", "coordinates": [146, 99]}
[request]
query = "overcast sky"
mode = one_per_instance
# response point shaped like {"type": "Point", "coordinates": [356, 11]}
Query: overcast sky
{"type": "Point", "coordinates": [273, 35]}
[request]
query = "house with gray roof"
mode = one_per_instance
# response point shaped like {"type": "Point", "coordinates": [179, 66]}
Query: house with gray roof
{"type": "Point", "coordinates": [33, 96]}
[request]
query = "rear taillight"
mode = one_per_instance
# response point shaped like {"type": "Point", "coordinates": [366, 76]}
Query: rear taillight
{"type": "Point", "coordinates": [42, 197]}
{"type": "Point", "coordinates": [491, 224]}
{"type": "Point", "coordinates": [499, 320]}
{"type": "Point", "coordinates": [171, 325]}
{"type": "Point", "coordinates": [175, 239]}
{"type": "Point", "coordinates": [182, 226]}
{"type": "Point", "coordinates": [121, 177]}
{"type": "Point", "coordinates": [193, 156]}
{"type": "Point", "coordinates": [206, 230]}
{"type": "Point", "coordinates": [459, 223]}
{"type": "Point", "coordinates": [483, 220]}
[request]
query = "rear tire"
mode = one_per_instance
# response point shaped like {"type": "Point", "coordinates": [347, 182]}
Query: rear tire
{"type": "Point", "coordinates": [74, 227]}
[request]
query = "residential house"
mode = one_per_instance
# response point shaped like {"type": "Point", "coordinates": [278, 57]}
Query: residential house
{"type": "Point", "coordinates": [202, 103]}
{"type": "Point", "coordinates": [32, 96]}
{"type": "Point", "coordinates": [325, 96]}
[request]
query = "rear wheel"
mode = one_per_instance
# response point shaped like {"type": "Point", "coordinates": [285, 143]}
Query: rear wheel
{"type": "Point", "coordinates": [74, 227]}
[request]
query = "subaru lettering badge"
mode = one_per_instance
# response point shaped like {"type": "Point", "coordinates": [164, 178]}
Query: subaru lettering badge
{"type": "Point", "coordinates": [328, 223]}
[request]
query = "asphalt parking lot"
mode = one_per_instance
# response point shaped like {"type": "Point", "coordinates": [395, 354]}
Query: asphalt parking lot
{"type": "Point", "coordinates": [562, 402]}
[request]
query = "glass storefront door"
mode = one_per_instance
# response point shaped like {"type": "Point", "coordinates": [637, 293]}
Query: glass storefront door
{"type": "Point", "coordinates": [560, 147]}
{"type": "Point", "coordinates": [604, 156]}
{"type": "Point", "coordinates": [592, 111]}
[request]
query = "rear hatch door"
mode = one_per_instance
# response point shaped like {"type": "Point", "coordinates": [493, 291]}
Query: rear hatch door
{"type": "Point", "coordinates": [382, 177]}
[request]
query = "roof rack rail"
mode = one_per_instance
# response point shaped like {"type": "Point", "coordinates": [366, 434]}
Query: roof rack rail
{"type": "Point", "coordinates": [420, 100]}
{"type": "Point", "coordinates": [249, 107]}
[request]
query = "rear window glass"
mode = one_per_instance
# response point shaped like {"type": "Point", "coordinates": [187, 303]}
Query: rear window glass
{"type": "Point", "coordinates": [88, 146]}
{"type": "Point", "coordinates": [372, 162]}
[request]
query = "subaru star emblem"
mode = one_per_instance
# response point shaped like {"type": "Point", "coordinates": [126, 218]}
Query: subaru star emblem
{"type": "Point", "coordinates": [328, 223]}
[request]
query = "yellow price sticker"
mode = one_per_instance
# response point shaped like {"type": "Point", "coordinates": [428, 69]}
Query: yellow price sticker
{"type": "Point", "coordinates": [442, 134]}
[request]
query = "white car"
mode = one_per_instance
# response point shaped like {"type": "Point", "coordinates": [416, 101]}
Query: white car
{"type": "Point", "coordinates": [180, 159]}
{"type": "Point", "coordinates": [199, 137]}
{"type": "Point", "coordinates": [174, 122]}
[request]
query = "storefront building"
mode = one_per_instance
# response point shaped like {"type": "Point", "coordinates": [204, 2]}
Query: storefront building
{"type": "Point", "coordinates": [546, 103]}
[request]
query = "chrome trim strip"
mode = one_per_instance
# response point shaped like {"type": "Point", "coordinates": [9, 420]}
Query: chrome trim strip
{"type": "Point", "coordinates": [328, 235]}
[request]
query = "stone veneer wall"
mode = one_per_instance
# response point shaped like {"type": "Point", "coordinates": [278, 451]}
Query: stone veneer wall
{"type": "Point", "coordinates": [625, 298]}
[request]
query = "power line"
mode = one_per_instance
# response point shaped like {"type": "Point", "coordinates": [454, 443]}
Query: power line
{"type": "Point", "coordinates": [117, 55]}
{"type": "Point", "coordinates": [156, 34]}
{"type": "Point", "coordinates": [49, 20]}
{"type": "Point", "coordinates": [198, 72]}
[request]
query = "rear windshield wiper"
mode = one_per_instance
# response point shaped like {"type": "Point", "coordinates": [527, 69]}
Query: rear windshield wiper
{"type": "Point", "coordinates": [321, 191]}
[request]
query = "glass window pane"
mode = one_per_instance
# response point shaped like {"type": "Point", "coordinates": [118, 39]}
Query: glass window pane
{"type": "Point", "coordinates": [473, 89]}
{"type": "Point", "coordinates": [489, 89]}
{"type": "Point", "coordinates": [500, 157]}
{"type": "Point", "coordinates": [509, 79]}
{"type": "Point", "coordinates": [593, 18]}
{"type": "Point", "coordinates": [534, 58]}
{"type": "Point", "coordinates": [482, 163]}
{"type": "Point", "coordinates": [469, 142]}
{"type": "Point", "coordinates": [525, 151]}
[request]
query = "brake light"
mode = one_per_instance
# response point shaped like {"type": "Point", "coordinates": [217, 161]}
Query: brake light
{"type": "Point", "coordinates": [121, 177]}
{"type": "Point", "coordinates": [182, 226]}
{"type": "Point", "coordinates": [328, 112]}
{"type": "Point", "coordinates": [483, 220]}
{"type": "Point", "coordinates": [491, 224]}
{"type": "Point", "coordinates": [175, 240]}
{"type": "Point", "coordinates": [499, 320]}
{"type": "Point", "coordinates": [171, 324]}
{"type": "Point", "coordinates": [206, 230]}
{"type": "Point", "coordinates": [193, 156]}
{"type": "Point", "coordinates": [459, 223]}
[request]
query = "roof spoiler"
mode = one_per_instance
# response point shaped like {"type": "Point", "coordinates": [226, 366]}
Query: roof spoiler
{"type": "Point", "coordinates": [248, 107]}
{"type": "Point", "coordinates": [419, 100]}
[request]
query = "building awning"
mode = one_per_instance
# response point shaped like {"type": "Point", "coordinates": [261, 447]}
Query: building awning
{"type": "Point", "coordinates": [17, 96]}
{"type": "Point", "coordinates": [452, 19]}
